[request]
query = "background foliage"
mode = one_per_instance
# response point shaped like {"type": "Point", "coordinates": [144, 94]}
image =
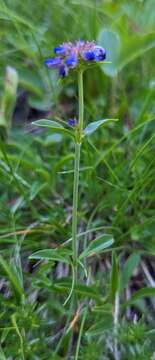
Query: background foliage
{"type": "Point", "coordinates": [117, 187]}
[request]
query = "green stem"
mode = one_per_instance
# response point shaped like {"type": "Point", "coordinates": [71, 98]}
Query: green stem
{"type": "Point", "coordinates": [76, 173]}
{"type": "Point", "coordinates": [81, 101]}
{"type": "Point", "coordinates": [75, 206]}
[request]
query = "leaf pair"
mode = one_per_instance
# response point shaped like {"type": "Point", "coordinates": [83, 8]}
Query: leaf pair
{"type": "Point", "coordinates": [59, 128]}
{"type": "Point", "coordinates": [96, 246]}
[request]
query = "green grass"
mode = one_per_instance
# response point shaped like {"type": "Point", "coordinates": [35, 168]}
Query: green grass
{"type": "Point", "coordinates": [117, 189]}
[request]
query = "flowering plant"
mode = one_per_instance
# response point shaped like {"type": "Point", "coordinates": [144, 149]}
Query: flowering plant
{"type": "Point", "coordinates": [77, 56]}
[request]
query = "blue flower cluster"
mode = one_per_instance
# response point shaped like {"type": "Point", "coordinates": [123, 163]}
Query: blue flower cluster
{"type": "Point", "coordinates": [70, 55]}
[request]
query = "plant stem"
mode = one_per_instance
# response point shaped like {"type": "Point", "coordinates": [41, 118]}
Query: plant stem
{"type": "Point", "coordinates": [76, 173]}
{"type": "Point", "coordinates": [75, 206]}
{"type": "Point", "coordinates": [81, 101]}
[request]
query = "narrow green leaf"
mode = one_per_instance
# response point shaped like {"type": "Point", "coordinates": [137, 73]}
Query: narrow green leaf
{"type": "Point", "coordinates": [9, 97]}
{"type": "Point", "coordinates": [2, 356]}
{"type": "Point", "coordinates": [130, 265]}
{"type": "Point", "coordinates": [80, 289]}
{"type": "Point", "coordinates": [53, 125]}
{"type": "Point", "coordinates": [14, 281]}
{"type": "Point", "coordinates": [98, 245]}
{"type": "Point", "coordinates": [61, 255]}
{"type": "Point", "coordinates": [93, 126]}
{"type": "Point", "coordinates": [115, 278]}
{"type": "Point", "coordinates": [14, 322]}
{"type": "Point", "coordinates": [144, 292]}
{"type": "Point", "coordinates": [5, 332]}
{"type": "Point", "coordinates": [101, 326]}
{"type": "Point", "coordinates": [104, 308]}
{"type": "Point", "coordinates": [36, 188]}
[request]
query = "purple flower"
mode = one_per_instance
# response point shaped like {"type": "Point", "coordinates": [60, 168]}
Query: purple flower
{"type": "Point", "coordinates": [53, 62]}
{"type": "Point", "coordinates": [80, 42]}
{"type": "Point", "coordinates": [63, 71]}
{"type": "Point", "coordinates": [100, 53]}
{"type": "Point", "coordinates": [71, 61]}
{"type": "Point", "coordinates": [60, 50]}
{"type": "Point", "coordinates": [88, 55]}
{"type": "Point", "coordinates": [75, 55]}
{"type": "Point", "coordinates": [72, 122]}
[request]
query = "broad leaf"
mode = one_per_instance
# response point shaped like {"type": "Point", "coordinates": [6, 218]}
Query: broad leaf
{"type": "Point", "coordinates": [54, 126]}
{"type": "Point", "coordinates": [98, 245]}
{"type": "Point", "coordinates": [61, 255]}
{"type": "Point", "coordinates": [122, 51]}
{"type": "Point", "coordinates": [93, 126]}
{"type": "Point", "coordinates": [111, 42]}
